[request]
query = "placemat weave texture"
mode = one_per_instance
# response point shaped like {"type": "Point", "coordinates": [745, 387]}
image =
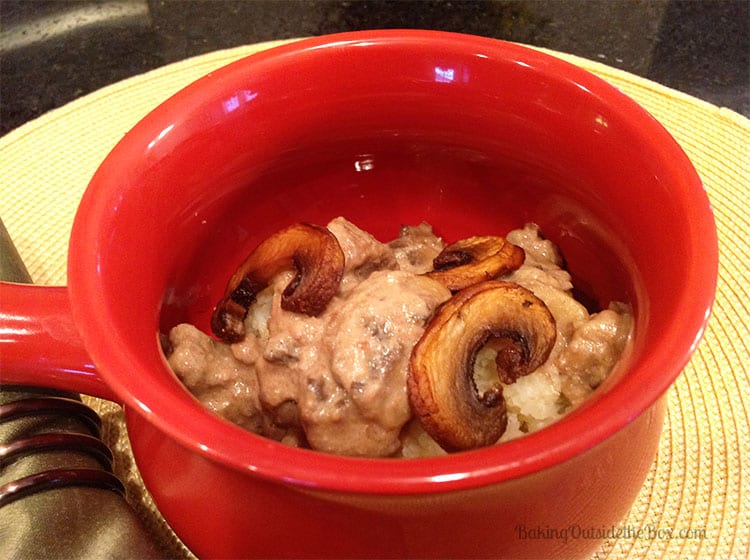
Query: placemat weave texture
{"type": "Point", "coordinates": [695, 502]}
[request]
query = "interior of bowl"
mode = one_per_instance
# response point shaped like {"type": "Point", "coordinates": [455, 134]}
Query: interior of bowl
{"type": "Point", "coordinates": [472, 135]}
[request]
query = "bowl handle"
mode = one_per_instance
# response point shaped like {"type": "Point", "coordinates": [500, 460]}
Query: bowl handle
{"type": "Point", "coordinates": [40, 345]}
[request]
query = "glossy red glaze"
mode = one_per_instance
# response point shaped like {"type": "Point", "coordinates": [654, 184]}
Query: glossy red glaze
{"type": "Point", "coordinates": [40, 342]}
{"type": "Point", "coordinates": [473, 135]}
{"type": "Point", "coordinates": [558, 512]}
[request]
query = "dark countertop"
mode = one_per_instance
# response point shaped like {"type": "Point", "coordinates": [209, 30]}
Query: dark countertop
{"type": "Point", "coordinates": [55, 51]}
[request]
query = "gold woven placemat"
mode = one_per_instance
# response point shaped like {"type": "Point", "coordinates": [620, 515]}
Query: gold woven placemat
{"type": "Point", "coordinates": [695, 501]}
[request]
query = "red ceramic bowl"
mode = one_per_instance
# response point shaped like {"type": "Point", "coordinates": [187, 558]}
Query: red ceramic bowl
{"type": "Point", "coordinates": [471, 134]}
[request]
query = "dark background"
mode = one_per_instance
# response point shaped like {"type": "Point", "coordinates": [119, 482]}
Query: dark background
{"type": "Point", "coordinates": [52, 52]}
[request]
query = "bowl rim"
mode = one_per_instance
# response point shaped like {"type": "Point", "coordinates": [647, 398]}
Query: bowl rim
{"type": "Point", "coordinates": [200, 430]}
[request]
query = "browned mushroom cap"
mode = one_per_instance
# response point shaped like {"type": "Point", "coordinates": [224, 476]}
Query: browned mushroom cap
{"type": "Point", "coordinates": [441, 384]}
{"type": "Point", "coordinates": [311, 250]}
{"type": "Point", "coordinates": [475, 259]}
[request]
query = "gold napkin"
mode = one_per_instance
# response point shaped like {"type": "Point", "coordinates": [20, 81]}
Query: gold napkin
{"type": "Point", "coordinates": [58, 498]}
{"type": "Point", "coordinates": [694, 503]}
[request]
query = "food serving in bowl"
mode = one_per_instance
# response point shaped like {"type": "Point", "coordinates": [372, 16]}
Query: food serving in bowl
{"type": "Point", "coordinates": [471, 135]}
{"type": "Point", "coordinates": [333, 340]}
